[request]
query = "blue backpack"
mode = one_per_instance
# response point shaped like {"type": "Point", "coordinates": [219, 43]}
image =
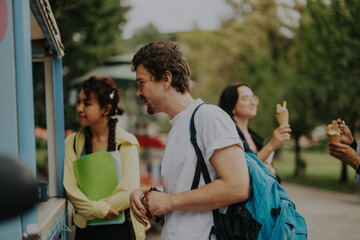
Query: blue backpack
{"type": "Point", "coordinates": [268, 214]}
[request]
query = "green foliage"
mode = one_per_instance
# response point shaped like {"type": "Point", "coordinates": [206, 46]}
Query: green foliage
{"type": "Point", "coordinates": [315, 66]}
{"type": "Point", "coordinates": [328, 63]}
{"type": "Point", "coordinates": [147, 34]}
{"type": "Point", "coordinates": [89, 30]}
{"type": "Point", "coordinates": [141, 37]}
{"type": "Point", "coordinates": [253, 51]}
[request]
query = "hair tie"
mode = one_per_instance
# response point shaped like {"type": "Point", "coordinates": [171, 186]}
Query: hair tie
{"type": "Point", "coordinates": [112, 94]}
{"type": "Point", "coordinates": [115, 113]}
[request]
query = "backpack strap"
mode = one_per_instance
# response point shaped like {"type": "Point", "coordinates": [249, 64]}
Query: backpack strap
{"type": "Point", "coordinates": [202, 169]}
{"type": "Point", "coordinates": [200, 165]}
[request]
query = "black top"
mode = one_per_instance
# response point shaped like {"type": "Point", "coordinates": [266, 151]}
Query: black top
{"type": "Point", "coordinates": [259, 143]}
{"type": "Point", "coordinates": [258, 140]}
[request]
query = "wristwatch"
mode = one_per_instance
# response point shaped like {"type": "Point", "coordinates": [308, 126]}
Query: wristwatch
{"type": "Point", "coordinates": [353, 145]}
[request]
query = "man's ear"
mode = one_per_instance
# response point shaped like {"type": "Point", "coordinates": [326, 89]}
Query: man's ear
{"type": "Point", "coordinates": [167, 78]}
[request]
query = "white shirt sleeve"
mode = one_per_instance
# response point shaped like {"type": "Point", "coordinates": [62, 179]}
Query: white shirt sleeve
{"type": "Point", "coordinates": [215, 129]}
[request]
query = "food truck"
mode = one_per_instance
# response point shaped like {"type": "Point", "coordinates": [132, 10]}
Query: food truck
{"type": "Point", "coordinates": [29, 35]}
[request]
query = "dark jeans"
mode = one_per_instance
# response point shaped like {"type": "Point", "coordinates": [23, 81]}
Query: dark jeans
{"type": "Point", "coordinates": [104, 232]}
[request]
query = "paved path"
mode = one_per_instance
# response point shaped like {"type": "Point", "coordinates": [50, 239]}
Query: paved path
{"type": "Point", "coordinates": [329, 215]}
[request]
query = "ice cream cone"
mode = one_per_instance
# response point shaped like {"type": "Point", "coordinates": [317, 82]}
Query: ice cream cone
{"type": "Point", "coordinates": [333, 138]}
{"type": "Point", "coordinates": [282, 118]}
{"type": "Point", "coordinates": [333, 132]}
{"type": "Point", "coordinates": [282, 114]}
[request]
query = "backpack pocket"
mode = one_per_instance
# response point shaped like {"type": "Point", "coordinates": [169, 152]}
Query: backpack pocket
{"type": "Point", "coordinates": [300, 227]}
{"type": "Point", "coordinates": [236, 224]}
{"type": "Point", "coordinates": [295, 226]}
{"type": "Point", "coordinates": [290, 225]}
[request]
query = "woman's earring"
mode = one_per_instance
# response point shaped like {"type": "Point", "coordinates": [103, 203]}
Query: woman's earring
{"type": "Point", "coordinates": [233, 112]}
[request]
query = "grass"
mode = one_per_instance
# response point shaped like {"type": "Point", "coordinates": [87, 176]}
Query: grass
{"type": "Point", "coordinates": [321, 171]}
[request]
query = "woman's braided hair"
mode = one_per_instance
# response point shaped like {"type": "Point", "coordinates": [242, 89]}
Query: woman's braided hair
{"type": "Point", "coordinates": [106, 92]}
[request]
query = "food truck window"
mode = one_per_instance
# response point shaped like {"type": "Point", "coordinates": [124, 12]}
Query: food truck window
{"type": "Point", "coordinates": [45, 123]}
{"type": "Point", "coordinates": [40, 123]}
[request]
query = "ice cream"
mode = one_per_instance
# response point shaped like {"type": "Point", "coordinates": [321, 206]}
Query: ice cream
{"type": "Point", "coordinates": [333, 132]}
{"type": "Point", "coordinates": [282, 114]}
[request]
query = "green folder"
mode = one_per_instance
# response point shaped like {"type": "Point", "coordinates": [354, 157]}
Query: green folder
{"type": "Point", "coordinates": [97, 177]}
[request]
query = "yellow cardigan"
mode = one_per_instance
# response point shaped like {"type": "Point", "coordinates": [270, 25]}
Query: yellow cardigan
{"type": "Point", "coordinates": [86, 209]}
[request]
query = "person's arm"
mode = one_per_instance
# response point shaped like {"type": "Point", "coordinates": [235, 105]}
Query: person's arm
{"type": "Point", "coordinates": [344, 153]}
{"type": "Point", "coordinates": [280, 135]}
{"type": "Point", "coordinates": [231, 186]}
{"type": "Point", "coordinates": [129, 180]}
{"type": "Point", "coordinates": [84, 206]}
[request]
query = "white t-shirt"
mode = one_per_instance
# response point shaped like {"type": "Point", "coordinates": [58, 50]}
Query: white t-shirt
{"type": "Point", "coordinates": [215, 130]}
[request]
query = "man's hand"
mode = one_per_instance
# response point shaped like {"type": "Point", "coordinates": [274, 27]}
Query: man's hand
{"type": "Point", "coordinates": [137, 207]}
{"type": "Point", "coordinates": [111, 214]}
{"type": "Point", "coordinates": [344, 153]}
{"type": "Point", "coordinates": [346, 136]}
{"type": "Point", "coordinates": [159, 203]}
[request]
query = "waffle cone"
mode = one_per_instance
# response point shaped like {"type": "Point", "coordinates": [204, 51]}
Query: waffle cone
{"type": "Point", "coordinates": [334, 138]}
{"type": "Point", "coordinates": [282, 118]}
{"type": "Point", "coordinates": [333, 132]}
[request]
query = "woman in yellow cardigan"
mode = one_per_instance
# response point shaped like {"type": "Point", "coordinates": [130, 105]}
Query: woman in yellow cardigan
{"type": "Point", "coordinates": [96, 109]}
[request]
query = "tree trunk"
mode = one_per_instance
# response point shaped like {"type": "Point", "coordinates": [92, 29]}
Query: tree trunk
{"type": "Point", "coordinates": [344, 176]}
{"type": "Point", "coordinates": [299, 163]}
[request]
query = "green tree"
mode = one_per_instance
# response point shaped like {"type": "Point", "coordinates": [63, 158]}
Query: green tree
{"type": "Point", "coordinates": [141, 37]}
{"type": "Point", "coordinates": [328, 61]}
{"type": "Point", "coordinates": [146, 34]}
{"type": "Point", "coordinates": [89, 30]}
{"type": "Point", "coordinates": [255, 46]}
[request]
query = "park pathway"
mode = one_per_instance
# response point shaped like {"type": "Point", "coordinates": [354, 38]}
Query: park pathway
{"type": "Point", "coordinates": [329, 215]}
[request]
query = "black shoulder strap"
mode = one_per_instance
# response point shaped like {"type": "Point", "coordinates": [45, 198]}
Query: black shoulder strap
{"type": "Point", "coordinates": [200, 165]}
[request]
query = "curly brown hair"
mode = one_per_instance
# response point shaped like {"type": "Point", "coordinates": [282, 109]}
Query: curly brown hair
{"type": "Point", "coordinates": [159, 57]}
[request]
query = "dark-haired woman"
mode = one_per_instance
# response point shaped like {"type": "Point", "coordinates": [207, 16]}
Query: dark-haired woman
{"type": "Point", "coordinates": [241, 104]}
{"type": "Point", "coordinates": [96, 110]}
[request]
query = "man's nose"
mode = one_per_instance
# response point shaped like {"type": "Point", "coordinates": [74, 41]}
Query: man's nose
{"type": "Point", "coordinates": [138, 93]}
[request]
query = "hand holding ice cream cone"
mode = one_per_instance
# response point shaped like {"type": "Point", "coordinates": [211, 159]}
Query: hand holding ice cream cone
{"type": "Point", "coordinates": [282, 114]}
{"type": "Point", "coordinates": [333, 132]}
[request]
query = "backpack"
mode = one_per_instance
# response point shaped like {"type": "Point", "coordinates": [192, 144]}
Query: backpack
{"type": "Point", "coordinates": [268, 214]}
